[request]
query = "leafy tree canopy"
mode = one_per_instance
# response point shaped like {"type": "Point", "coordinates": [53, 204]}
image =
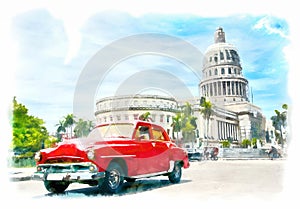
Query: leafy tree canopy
{"type": "Point", "coordinates": [29, 132]}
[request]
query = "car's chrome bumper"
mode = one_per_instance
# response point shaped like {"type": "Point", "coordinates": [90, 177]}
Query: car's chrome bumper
{"type": "Point", "coordinates": [67, 172]}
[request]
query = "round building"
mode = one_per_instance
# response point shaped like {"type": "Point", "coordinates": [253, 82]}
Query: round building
{"type": "Point", "coordinates": [130, 107]}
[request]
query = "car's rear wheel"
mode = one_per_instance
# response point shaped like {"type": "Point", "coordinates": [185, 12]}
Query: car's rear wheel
{"type": "Point", "coordinates": [56, 186]}
{"type": "Point", "coordinates": [175, 175]}
{"type": "Point", "coordinates": [114, 178]}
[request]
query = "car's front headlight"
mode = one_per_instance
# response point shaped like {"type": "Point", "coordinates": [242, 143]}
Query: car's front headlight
{"type": "Point", "coordinates": [38, 156]}
{"type": "Point", "coordinates": [91, 154]}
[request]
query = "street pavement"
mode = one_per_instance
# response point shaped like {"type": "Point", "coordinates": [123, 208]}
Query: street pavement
{"type": "Point", "coordinates": [20, 174]}
{"type": "Point", "coordinates": [25, 174]}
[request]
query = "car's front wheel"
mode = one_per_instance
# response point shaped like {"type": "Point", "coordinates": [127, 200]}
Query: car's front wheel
{"type": "Point", "coordinates": [56, 186]}
{"type": "Point", "coordinates": [175, 175]}
{"type": "Point", "coordinates": [114, 178]}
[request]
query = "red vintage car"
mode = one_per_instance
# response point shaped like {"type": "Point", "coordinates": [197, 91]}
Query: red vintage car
{"type": "Point", "coordinates": [111, 154]}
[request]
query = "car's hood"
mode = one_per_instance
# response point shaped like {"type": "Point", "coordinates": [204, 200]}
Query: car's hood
{"type": "Point", "coordinates": [73, 150]}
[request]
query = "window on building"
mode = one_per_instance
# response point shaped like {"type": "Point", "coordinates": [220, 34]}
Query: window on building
{"type": "Point", "coordinates": [222, 71]}
{"type": "Point", "coordinates": [228, 88]}
{"type": "Point", "coordinates": [216, 58]}
{"type": "Point", "coordinates": [136, 116]}
{"type": "Point", "coordinates": [153, 116]}
{"type": "Point", "coordinates": [224, 87]}
{"type": "Point", "coordinates": [236, 88]}
{"type": "Point", "coordinates": [216, 71]}
{"type": "Point", "coordinates": [229, 70]}
{"type": "Point", "coordinates": [215, 88]}
{"type": "Point", "coordinates": [209, 72]}
{"type": "Point", "coordinates": [168, 118]}
{"type": "Point", "coordinates": [221, 56]}
{"type": "Point", "coordinates": [227, 54]}
{"type": "Point", "coordinates": [232, 87]}
{"type": "Point", "coordinates": [126, 117]}
{"type": "Point", "coordinates": [161, 118]}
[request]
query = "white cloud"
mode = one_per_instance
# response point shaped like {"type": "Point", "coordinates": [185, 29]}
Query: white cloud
{"type": "Point", "coordinates": [272, 26]}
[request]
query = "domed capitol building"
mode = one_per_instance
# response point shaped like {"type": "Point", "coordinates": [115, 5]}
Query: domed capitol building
{"type": "Point", "coordinates": [234, 117]}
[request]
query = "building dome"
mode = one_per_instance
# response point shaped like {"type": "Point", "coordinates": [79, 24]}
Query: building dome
{"type": "Point", "coordinates": [222, 78]}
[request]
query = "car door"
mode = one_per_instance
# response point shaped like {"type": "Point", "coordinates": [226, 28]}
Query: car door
{"type": "Point", "coordinates": [161, 144]}
{"type": "Point", "coordinates": [145, 155]}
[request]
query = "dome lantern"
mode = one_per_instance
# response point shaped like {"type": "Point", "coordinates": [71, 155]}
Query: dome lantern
{"type": "Point", "coordinates": [220, 35]}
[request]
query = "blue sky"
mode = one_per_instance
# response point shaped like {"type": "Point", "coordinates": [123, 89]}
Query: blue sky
{"type": "Point", "coordinates": [54, 48]}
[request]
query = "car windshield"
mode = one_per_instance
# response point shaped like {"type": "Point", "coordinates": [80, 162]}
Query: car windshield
{"type": "Point", "coordinates": [120, 130]}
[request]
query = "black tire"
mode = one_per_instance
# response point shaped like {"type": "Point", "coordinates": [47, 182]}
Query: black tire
{"type": "Point", "coordinates": [56, 186]}
{"type": "Point", "coordinates": [114, 179]}
{"type": "Point", "coordinates": [175, 175]}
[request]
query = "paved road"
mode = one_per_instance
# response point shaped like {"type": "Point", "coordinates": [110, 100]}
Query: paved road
{"type": "Point", "coordinates": [206, 183]}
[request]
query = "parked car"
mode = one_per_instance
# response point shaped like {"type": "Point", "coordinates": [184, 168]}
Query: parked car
{"type": "Point", "coordinates": [194, 153]}
{"type": "Point", "coordinates": [111, 154]}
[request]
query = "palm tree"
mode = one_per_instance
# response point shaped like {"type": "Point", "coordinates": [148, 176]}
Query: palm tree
{"type": "Point", "coordinates": [83, 127]}
{"type": "Point", "coordinates": [69, 122]}
{"type": "Point", "coordinates": [176, 125]}
{"type": "Point", "coordinates": [145, 116]}
{"type": "Point", "coordinates": [61, 129]}
{"type": "Point", "coordinates": [279, 121]}
{"type": "Point", "coordinates": [188, 123]}
{"type": "Point", "coordinates": [206, 111]}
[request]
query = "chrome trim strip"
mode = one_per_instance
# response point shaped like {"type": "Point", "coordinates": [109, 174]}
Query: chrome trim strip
{"type": "Point", "coordinates": [65, 156]}
{"type": "Point", "coordinates": [112, 156]}
{"type": "Point", "coordinates": [78, 176]}
{"type": "Point", "coordinates": [148, 175]}
{"type": "Point", "coordinates": [65, 164]}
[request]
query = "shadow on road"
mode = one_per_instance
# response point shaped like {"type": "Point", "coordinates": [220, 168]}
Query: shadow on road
{"type": "Point", "coordinates": [138, 186]}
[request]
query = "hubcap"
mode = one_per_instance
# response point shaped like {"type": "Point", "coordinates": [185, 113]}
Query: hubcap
{"type": "Point", "coordinates": [177, 171]}
{"type": "Point", "coordinates": [114, 179]}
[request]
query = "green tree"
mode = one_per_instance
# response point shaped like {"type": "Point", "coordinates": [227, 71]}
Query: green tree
{"type": "Point", "coordinates": [176, 125]}
{"type": "Point", "coordinates": [254, 142]}
{"type": "Point", "coordinates": [61, 129]}
{"type": "Point", "coordinates": [206, 111]}
{"type": "Point", "coordinates": [69, 122]}
{"type": "Point", "coordinates": [188, 123]}
{"type": "Point", "coordinates": [29, 132]}
{"type": "Point", "coordinates": [279, 121]}
{"type": "Point", "coordinates": [145, 116]}
{"type": "Point", "coordinates": [245, 143]}
{"type": "Point", "coordinates": [83, 128]}
{"type": "Point", "coordinates": [225, 143]}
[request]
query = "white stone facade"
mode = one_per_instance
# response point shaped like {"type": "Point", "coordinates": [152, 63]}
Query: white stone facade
{"type": "Point", "coordinates": [130, 107]}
